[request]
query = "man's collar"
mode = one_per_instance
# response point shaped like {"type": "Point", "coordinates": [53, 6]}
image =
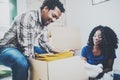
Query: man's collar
{"type": "Point", "coordinates": [39, 15]}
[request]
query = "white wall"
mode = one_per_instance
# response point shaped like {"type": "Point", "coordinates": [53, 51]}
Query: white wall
{"type": "Point", "coordinates": [81, 13]}
{"type": "Point", "coordinates": [21, 6]}
{"type": "Point", "coordinates": [4, 16]}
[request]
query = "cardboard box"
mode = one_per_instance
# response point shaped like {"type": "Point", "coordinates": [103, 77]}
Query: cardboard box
{"type": "Point", "coordinates": [64, 69]}
{"type": "Point", "coordinates": [65, 38]}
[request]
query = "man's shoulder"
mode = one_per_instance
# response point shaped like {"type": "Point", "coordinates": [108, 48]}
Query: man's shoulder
{"type": "Point", "coordinates": [32, 11]}
{"type": "Point", "coordinates": [28, 12]}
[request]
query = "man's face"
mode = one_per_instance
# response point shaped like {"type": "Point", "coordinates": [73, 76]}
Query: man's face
{"type": "Point", "coordinates": [49, 16]}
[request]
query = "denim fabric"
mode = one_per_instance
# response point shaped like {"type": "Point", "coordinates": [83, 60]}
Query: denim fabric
{"type": "Point", "coordinates": [39, 50]}
{"type": "Point", "coordinates": [14, 59]}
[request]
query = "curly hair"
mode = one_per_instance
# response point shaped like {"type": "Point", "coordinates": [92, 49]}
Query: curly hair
{"type": "Point", "coordinates": [109, 38]}
{"type": "Point", "coordinates": [51, 4]}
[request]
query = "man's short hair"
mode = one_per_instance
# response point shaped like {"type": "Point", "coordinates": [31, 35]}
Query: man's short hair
{"type": "Point", "coordinates": [51, 4]}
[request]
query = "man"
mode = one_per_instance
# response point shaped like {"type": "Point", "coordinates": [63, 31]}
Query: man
{"type": "Point", "coordinates": [44, 45]}
{"type": "Point", "coordinates": [18, 43]}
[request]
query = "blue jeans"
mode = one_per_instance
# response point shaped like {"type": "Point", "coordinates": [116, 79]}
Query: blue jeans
{"type": "Point", "coordinates": [14, 59]}
{"type": "Point", "coordinates": [39, 50]}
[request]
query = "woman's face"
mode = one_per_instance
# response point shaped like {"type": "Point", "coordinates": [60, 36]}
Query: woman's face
{"type": "Point", "coordinates": [97, 38]}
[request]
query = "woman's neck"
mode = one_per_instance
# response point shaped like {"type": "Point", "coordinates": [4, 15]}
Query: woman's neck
{"type": "Point", "coordinates": [96, 50]}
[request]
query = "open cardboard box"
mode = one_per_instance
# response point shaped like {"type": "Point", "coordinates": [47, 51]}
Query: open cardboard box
{"type": "Point", "coordinates": [63, 69]}
{"type": "Point", "coordinates": [65, 37]}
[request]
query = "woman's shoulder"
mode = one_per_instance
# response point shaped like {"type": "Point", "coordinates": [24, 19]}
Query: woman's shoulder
{"type": "Point", "coordinates": [87, 47]}
{"type": "Point", "coordinates": [86, 50]}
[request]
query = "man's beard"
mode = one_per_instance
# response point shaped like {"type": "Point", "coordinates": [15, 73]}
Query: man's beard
{"type": "Point", "coordinates": [43, 22]}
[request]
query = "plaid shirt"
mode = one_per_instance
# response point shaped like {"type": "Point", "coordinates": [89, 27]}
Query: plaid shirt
{"type": "Point", "coordinates": [25, 29]}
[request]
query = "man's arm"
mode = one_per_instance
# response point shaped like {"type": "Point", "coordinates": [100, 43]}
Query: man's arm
{"type": "Point", "coordinates": [26, 34]}
{"type": "Point", "coordinates": [44, 41]}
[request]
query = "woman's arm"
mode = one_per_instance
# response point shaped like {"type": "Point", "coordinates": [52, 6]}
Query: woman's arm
{"type": "Point", "coordinates": [84, 58]}
{"type": "Point", "coordinates": [109, 66]}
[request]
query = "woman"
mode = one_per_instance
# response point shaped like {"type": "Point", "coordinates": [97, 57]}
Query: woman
{"type": "Point", "coordinates": [100, 48]}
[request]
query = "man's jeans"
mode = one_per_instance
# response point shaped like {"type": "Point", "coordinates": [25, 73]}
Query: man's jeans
{"type": "Point", "coordinates": [14, 59]}
{"type": "Point", "coordinates": [39, 50]}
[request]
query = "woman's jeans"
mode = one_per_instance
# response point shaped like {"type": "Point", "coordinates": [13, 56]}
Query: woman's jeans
{"type": "Point", "coordinates": [14, 59]}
